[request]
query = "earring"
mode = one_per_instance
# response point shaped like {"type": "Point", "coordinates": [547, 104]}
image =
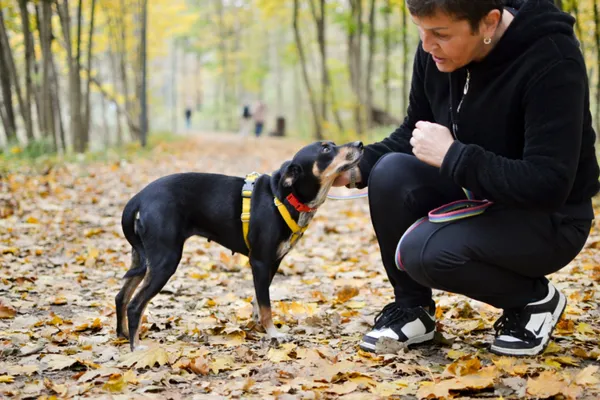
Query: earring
{"type": "Point", "coordinates": [487, 40]}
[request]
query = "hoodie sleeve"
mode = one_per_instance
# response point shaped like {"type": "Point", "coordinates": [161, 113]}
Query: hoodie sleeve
{"type": "Point", "coordinates": [399, 140]}
{"type": "Point", "coordinates": [553, 108]}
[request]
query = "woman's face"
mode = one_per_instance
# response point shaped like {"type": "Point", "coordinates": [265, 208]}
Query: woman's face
{"type": "Point", "coordinates": [452, 43]}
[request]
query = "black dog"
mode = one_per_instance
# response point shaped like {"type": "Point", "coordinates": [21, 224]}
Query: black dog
{"type": "Point", "coordinates": [159, 219]}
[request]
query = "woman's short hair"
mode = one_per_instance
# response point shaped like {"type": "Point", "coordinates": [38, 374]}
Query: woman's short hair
{"type": "Point", "coordinates": [471, 10]}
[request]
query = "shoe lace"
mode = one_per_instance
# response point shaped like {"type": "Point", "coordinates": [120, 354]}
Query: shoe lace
{"type": "Point", "coordinates": [393, 313]}
{"type": "Point", "coordinates": [511, 324]}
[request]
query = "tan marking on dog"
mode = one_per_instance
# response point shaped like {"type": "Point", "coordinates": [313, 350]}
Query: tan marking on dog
{"type": "Point", "coordinates": [266, 320]}
{"type": "Point", "coordinates": [129, 289]}
{"type": "Point", "coordinates": [329, 175]}
{"type": "Point", "coordinates": [136, 336]}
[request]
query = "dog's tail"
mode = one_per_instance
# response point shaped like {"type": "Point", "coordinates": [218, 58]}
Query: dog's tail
{"type": "Point", "coordinates": [132, 226]}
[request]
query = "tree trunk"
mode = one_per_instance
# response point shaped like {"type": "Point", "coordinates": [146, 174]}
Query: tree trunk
{"type": "Point", "coordinates": [386, 60]}
{"type": "Point", "coordinates": [87, 117]}
{"type": "Point", "coordinates": [319, 18]}
{"type": "Point", "coordinates": [45, 33]}
{"type": "Point", "coordinates": [224, 58]}
{"type": "Point", "coordinates": [355, 62]}
{"type": "Point", "coordinates": [174, 91]}
{"type": "Point", "coordinates": [369, 88]}
{"type": "Point", "coordinates": [134, 129]}
{"type": "Point", "coordinates": [405, 60]}
{"type": "Point", "coordinates": [3, 118]}
{"type": "Point", "coordinates": [58, 127]}
{"type": "Point", "coordinates": [74, 63]}
{"type": "Point", "coordinates": [9, 112]}
{"type": "Point", "coordinates": [311, 97]}
{"type": "Point", "coordinates": [114, 75]}
{"type": "Point", "coordinates": [143, 94]}
{"type": "Point", "coordinates": [28, 40]}
{"type": "Point", "coordinates": [12, 73]}
{"type": "Point", "coordinates": [578, 27]}
{"type": "Point", "coordinates": [597, 36]}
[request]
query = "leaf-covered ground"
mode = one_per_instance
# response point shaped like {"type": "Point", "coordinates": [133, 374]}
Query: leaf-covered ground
{"type": "Point", "coordinates": [62, 255]}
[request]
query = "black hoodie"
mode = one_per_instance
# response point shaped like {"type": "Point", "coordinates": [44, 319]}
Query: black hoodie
{"type": "Point", "coordinates": [524, 130]}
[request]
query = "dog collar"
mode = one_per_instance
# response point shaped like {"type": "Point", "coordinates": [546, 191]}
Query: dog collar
{"type": "Point", "coordinates": [301, 207]}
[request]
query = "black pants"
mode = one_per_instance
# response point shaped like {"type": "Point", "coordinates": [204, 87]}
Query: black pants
{"type": "Point", "coordinates": [500, 257]}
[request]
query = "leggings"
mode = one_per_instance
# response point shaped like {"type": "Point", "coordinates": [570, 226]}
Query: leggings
{"type": "Point", "coordinates": [500, 257]}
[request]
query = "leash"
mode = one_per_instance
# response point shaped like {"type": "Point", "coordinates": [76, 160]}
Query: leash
{"type": "Point", "coordinates": [454, 211]}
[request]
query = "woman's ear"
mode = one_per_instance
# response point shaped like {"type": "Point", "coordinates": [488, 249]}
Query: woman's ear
{"type": "Point", "coordinates": [490, 23]}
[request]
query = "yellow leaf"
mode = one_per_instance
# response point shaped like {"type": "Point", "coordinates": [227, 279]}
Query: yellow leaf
{"type": "Point", "coordinates": [280, 355]}
{"type": "Point", "coordinates": [93, 232]}
{"type": "Point", "coordinates": [482, 380]}
{"type": "Point", "coordinates": [9, 250]}
{"type": "Point", "coordinates": [58, 301]}
{"type": "Point", "coordinates": [463, 367]}
{"type": "Point", "coordinates": [7, 312]}
{"type": "Point", "coordinates": [116, 384]}
{"type": "Point", "coordinates": [345, 388]}
{"type": "Point", "coordinates": [566, 360]}
{"type": "Point", "coordinates": [222, 364]}
{"type": "Point", "coordinates": [346, 293]}
{"type": "Point", "coordinates": [145, 358]}
{"type": "Point", "coordinates": [59, 361]}
{"type": "Point", "coordinates": [549, 384]}
{"type": "Point", "coordinates": [456, 354]}
{"type": "Point", "coordinates": [507, 364]}
{"type": "Point", "coordinates": [199, 276]}
{"type": "Point", "coordinates": [585, 329]}
{"type": "Point", "coordinates": [32, 220]}
{"type": "Point", "coordinates": [230, 340]}
{"type": "Point", "coordinates": [357, 305]}
{"type": "Point", "coordinates": [387, 389]}
{"type": "Point", "coordinates": [553, 348]}
{"type": "Point", "coordinates": [586, 376]}
{"type": "Point", "coordinates": [6, 379]}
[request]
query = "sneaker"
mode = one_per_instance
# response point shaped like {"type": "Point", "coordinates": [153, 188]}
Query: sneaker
{"type": "Point", "coordinates": [526, 331]}
{"type": "Point", "coordinates": [406, 325]}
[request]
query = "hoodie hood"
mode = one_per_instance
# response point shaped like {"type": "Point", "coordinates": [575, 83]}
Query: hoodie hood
{"type": "Point", "coordinates": [535, 19]}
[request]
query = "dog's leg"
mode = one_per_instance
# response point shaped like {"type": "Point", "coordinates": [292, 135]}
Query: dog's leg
{"type": "Point", "coordinates": [162, 264]}
{"type": "Point", "coordinates": [255, 308]}
{"type": "Point", "coordinates": [261, 272]}
{"type": "Point", "coordinates": [125, 294]}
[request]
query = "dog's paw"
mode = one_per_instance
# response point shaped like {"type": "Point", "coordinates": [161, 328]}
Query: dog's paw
{"type": "Point", "coordinates": [140, 347]}
{"type": "Point", "coordinates": [274, 334]}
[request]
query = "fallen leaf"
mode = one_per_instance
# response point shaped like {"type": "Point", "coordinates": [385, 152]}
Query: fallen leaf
{"type": "Point", "coordinates": [549, 384]}
{"type": "Point", "coordinates": [586, 376]}
{"type": "Point", "coordinates": [6, 379]}
{"type": "Point", "coordinates": [346, 293]}
{"type": "Point", "coordinates": [6, 311]}
{"type": "Point", "coordinates": [145, 358]}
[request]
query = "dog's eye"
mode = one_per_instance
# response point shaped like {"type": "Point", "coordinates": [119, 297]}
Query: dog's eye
{"type": "Point", "coordinates": [325, 149]}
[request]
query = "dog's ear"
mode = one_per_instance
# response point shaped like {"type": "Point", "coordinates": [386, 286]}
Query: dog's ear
{"type": "Point", "coordinates": [291, 174]}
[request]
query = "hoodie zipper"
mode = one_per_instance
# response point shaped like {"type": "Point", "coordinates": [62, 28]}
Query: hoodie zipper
{"type": "Point", "coordinates": [465, 91]}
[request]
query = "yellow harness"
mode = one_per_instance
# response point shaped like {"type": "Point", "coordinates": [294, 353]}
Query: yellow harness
{"type": "Point", "coordinates": [247, 189]}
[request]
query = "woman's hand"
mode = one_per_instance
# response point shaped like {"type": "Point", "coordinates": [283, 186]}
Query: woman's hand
{"type": "Point", "coordinates": [431, 142]}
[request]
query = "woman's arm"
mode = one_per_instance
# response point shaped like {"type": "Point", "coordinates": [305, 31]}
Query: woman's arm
{"type": "Point", "coordinates": [554, 112]}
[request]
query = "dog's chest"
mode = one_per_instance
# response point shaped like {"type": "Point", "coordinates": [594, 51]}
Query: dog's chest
{"type": "Point", "coordinates": [288, 244]}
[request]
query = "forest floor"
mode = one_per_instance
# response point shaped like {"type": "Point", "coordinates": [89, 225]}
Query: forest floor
{"type": "Point", "coordinates": [63, 254]}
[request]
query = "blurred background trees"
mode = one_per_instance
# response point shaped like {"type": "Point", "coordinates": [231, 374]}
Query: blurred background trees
{"type": "Point", "coordinates": [88, 74]}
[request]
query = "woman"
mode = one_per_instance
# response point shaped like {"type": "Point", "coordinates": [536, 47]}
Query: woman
{"type": "Point", "coordinates": [499, 106]}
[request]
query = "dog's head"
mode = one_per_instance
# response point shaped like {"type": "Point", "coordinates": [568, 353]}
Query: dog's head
{"type": "Point", "coordinates": [310, 174]}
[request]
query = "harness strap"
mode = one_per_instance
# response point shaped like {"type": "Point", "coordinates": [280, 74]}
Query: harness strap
{"type": "Point", "coordinates": [297, 231]}
{"type": "Point", "coordinates": [246, 201]}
